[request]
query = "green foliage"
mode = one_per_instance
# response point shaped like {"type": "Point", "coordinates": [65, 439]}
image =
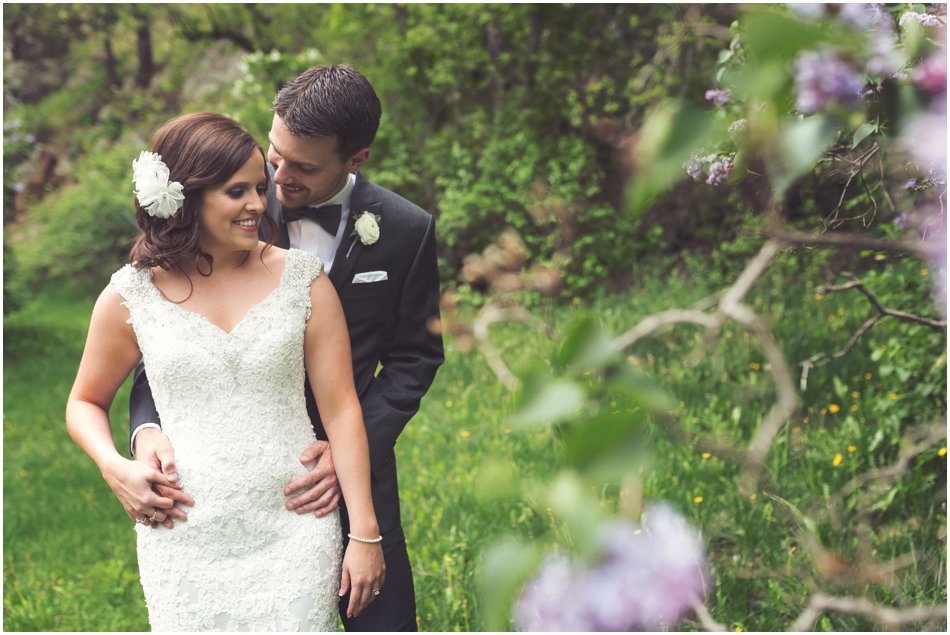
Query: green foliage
{"type": "Point", "coordinates": [82, 233]}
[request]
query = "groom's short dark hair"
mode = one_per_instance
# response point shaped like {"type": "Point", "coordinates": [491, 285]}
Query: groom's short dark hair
{"type": "Point", "coordinates": [331, 100]}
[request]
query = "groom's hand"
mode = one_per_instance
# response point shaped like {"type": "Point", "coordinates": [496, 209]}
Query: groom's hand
{"type": "Point", "coordinates": [153, 448]}
{"type": "Point", "coordinates": [318, 490]}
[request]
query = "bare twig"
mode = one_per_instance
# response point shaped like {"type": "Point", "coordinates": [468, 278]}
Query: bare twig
{"type": "Point", "coordinates": [937, 325]}
{"type": "Point", "coordinates": [706, 619]}
{"type": "Point", "coordinates": [655, 322]}
{"type": "Point", "coordinates": [819, 603]}
{"type": "Point", "coordinates": [882, 312]}
{"type": "Point", "coordinates": [812, 361]}
{"type": "Point", "coordinates": [927, 438]}
{"type": "Point", "coordinates": [841, 239]}
{"type": "Point", "coordinates": [490, 314]}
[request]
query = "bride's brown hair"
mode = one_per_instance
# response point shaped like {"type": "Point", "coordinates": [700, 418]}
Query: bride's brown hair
{"type": "Point", "coordinates": [201, 150]}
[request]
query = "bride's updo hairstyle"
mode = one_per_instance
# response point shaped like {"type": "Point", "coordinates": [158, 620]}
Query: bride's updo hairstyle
{"type": "Point", "coordinates": [200, 150]}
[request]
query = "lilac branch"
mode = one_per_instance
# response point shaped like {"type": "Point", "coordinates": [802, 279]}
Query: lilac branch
{"type": "Point", "coordinates": [820, 603]}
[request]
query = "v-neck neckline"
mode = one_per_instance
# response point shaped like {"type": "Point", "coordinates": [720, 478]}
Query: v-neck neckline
{"type": "Point", "coordinates": [201, 317]}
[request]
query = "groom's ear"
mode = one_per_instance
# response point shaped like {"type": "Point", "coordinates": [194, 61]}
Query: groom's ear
{"type": "Point", "coordinates": [356, 161]}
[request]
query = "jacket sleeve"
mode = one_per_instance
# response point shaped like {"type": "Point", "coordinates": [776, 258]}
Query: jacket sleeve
{"type": "Point", "coordinates": [141, 404]}
{"type": "Point", "coordinates": [410, 362]}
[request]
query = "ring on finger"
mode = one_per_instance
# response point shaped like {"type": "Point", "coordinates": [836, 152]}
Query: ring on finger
{"type": "Point", "coordinates": [375, 592]}
{"type": "Point", "coordinates": [142, 520]}
{"type": "Point", "coordinates": [154, 517]}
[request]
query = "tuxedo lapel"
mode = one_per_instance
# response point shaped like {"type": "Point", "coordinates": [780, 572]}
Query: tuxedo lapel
{"type": "Point", "coordinates": [361, 200]}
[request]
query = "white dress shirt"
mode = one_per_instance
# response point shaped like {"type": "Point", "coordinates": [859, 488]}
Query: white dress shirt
{"type": "Point", "coordinates": [306, 235]}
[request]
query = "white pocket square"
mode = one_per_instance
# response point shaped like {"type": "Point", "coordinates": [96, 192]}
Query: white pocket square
{"type": "Point", "coordinates": [370, 276]}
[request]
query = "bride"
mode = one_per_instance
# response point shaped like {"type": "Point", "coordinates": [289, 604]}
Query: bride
{"type": "Point", "coordinates": [227, 327]}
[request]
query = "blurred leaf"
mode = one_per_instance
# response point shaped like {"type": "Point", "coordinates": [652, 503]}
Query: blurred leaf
{"type": "Point", "coordinates": [802, 144]}
{"type": "Point", "coordinates": [769, 80]}
{"type": "Point", "coordinates": [589, 441]}
{"type": "Point", "coordinates": [642, 388]}
{"type": "Point", "coordinates": [770, 33]}
{"type": "Point", "coordinates": [671, 132]}
{"type": "Point", "coordinates": [552, 402]}
{"type": "Point", "coordinates": [586, 345]}
{"type": "Point", "coordinates": [576, 506]}
{"type": "Point", "coordinates": [864, 131]}
{"type": "Point", "coordinates": [505, 568]}
{"type": "Point", "coordinates": [496, 479]}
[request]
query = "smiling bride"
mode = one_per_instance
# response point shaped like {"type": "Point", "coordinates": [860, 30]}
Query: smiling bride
{"type": "Point", "coordinates": [228, 326]}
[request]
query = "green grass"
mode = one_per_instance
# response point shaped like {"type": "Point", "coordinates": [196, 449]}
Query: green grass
{"type": "Point", "coordinates": [69, 560]}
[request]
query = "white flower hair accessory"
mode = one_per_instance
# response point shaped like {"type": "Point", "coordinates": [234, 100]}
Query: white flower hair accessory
{"type": "Point", "coordinates": [156, 195]}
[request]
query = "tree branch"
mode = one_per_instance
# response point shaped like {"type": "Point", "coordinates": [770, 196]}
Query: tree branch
{"type": "Point", "coordinates": [882, 312]}
{"type": "Point", "coordinates": [819, 603]}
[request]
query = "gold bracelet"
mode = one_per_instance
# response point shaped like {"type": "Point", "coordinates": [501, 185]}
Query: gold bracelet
{"type": "Point", "coordinates": [366, 540]}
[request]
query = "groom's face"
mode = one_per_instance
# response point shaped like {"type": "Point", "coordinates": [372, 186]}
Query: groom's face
{"type": "Point", "coordinates": [308, 170]}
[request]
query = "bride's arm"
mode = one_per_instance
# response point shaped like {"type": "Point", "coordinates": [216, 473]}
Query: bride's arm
{"type": "Point", "coordinates": [110, 354]}
{"type": "Point", "coordinates": [330, 370]}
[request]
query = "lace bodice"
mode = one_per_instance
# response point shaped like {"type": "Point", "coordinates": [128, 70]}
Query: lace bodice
{"type": "Point", "coordinates": [232, 405]}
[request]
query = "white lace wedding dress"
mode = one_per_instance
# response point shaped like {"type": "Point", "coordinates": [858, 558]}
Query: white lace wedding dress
{"type": "Point", "coordinates": [232, 405]}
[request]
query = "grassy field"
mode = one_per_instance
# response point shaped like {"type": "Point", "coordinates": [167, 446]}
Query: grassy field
{"type": "Point", "coordinates": [69, 561]}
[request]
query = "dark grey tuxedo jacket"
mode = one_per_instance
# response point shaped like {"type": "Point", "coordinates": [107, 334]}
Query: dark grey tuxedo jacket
{"type": "Point", "coordinates": [389, 324]}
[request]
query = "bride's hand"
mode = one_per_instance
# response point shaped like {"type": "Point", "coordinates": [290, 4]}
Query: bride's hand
{"type": "Point", "coordinates": [153, 448]}
{"type": "Point", "coordinates": [131, 482]}
{"type": "Point", "coordinates": [364, 573]}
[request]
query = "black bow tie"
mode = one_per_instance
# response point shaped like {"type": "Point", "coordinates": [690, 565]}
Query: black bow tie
{"type": "Point", "coordinates": [327, 217]}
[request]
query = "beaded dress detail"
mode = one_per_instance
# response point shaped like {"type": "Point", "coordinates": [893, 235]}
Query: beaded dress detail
{"type": "Point", "coordinates": [232, 405]}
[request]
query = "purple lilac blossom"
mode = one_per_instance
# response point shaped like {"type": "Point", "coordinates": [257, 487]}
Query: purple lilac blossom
{"type": "Point", "coordinates": [923, 19]}
{"type": "Point", "coordinates": [931, 74]}
{"type": "Point", "coordinates": [884, 58]}
{"type": "Point", "coordinates": [862, 16]}
{"type": "Point", "coordinates": [720, 170]}
{"type": "Point", "coordinates": [808, 10]}
{"type": "Point", "coordinates": [929, 223]}
{"type": "Point", "coordinates": [821, 78]}
{"type": "Point", "coordinates": [924, 138]}
{"type": "Point", "coordinates": [935, 251]}
{"type": "Point", "coordinates": [647, 578]}
{"type": "Point", "coordinates": [694, 165]}
{"type": "Point", "coordinates": [719, 98]}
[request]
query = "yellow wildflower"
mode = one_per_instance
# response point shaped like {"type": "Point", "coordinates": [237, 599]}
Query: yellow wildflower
{"type": "Point", "coordinates": [838, 459]}
{"type": "Point", "coordinates": [855, 394]}
{"type": "Point", "coordinates": [818, 297]}
{"type": "Point", "coordinates": [892, 395]}
{"type": "Point", "coordinates": [465, 434]}
{"type": "Point", "coordinates": [834, 408]}
{"type": "Point", "coordinates": [448, 404]}
{"type": "Point", "coordinates": [755, 366]}
{"type": "Point", "coordinates": [706, 455]}
{"type": "Point", "coordinates": [796, 429]}
{"type": "Point", "coordinates": [823, 411]}
{"type": "Point", "coordinates": [698, 500]}
{"type": "Point", "coordinates": [867, 375]}
{"type": "Point", "coordinates": [942, 451]}
{"type": "Point", "coordinates": [753, 496]}
{"type": "Point", "coordinates": [852, 449]}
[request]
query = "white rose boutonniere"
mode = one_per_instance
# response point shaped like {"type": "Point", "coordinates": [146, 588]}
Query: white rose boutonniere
{"type": "Point", "coordinates": [367, 228]}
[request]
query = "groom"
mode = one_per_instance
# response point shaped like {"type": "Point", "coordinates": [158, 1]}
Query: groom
{"type": "Point", "coordinates": [380, 253]}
